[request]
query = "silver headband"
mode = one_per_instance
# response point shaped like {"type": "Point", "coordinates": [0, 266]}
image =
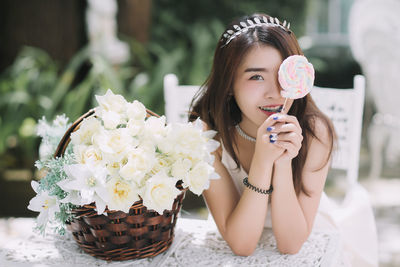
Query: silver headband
{"type": "Point", "coordinates": [229, 35]}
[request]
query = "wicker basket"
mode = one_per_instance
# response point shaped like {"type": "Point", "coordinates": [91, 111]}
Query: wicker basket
{"type": "Point", "coordinates": [121, 236]}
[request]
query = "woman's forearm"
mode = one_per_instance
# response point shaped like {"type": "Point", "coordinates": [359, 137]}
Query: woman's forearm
{"type": "Point", "coordinates": [288, 219]}
{"type": "Point", "coordinates": [245, 224]}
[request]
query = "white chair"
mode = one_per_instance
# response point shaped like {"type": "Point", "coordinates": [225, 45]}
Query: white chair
{"type": "Point", "coordinates": [345, 108]}
{"type": "Point", "coordinates": [177, 99]}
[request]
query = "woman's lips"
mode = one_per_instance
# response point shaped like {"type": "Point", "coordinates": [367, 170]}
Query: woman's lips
{"type": "Point", "coordinates": [268, 113]}
{"type": "Point", "coordinates": [271, 109]}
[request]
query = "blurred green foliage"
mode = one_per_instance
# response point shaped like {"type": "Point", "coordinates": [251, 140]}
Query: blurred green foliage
{"type": "Point", "coordinates": [25, 88]}
{"type": "Point", "coordinates": [33, 86]}
{"type": "Point", "coordinates": [184, 35]}
{"type": "Point", "coordinates": [189, 30]}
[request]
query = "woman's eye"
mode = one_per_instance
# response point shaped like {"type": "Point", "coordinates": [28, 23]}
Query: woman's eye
{"type": "Point", "coordinates": [257, 77]}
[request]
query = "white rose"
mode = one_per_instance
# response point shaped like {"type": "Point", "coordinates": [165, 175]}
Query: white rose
{"type": "Point", "coordinates": [114, 143]}
{"type": "Point", "coordinates": [181, 167]}
{"type": "Point", "coordinates": [112, 109]}
{"type": "Point", "coordinates": [198, 179]}
{"type": "Point", "coordinates": [160, 192]}
{"type": "Point", "coordinates": [185, 139]}
{"type": "Point", "coordinates": [113, 167]}
{"type": "Point", "coordinates": [163, 163]}
{"type": "Point", "coordinates": [88, 154]}
{"type": "Point", "coordinates": [140, 162]}
{"type": "Point", "coordinates": [88, 127]}
{"type": "Point", "coordinates": [155, 129]}
{"type": "Point", "coordinates": [147, 146]}
{"type": "Point", "coordinates": [135, 127]}
{"type": "Point", "coordinates": [167, 146]}
{"type": "Point", "coordinates": [111, 119]}
{"type": "Point", "coordinates": [136, 111]}
{"type": "Point", "coordinates": [121, 194]}
{"type": "Point", "coordinates": [111, 102]}
{"type": "Point", "coordinates": [189, 140]}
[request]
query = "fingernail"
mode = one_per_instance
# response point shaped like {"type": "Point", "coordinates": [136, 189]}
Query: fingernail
{"type": "Point", "coordinates": [270, 128]}
{"type": "Point", "coordinates": [273, 137]}
{"type": "Point", "coordinates": [272, 141]}
{"type": "Point", "coordinates": [275, 118]}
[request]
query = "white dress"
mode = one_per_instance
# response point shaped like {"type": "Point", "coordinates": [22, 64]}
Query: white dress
{"type": "Point", "coordinates": [353, 219]}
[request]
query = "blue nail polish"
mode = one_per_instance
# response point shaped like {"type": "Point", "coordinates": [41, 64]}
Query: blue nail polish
{"type": "Point", "coordinates": [275, 118]}
{"type": "Point", "coordinates": [272, 141]}
{"type": "Point", "coordinates": [270, 128]}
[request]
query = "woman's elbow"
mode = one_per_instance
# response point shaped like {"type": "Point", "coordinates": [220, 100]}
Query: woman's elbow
{"type": "Point", "coordinates": [241, 250]}
{"type": "Point", "coordinates": [290, 248]}
{"type": "Point", "coordinates": [245, 251]}
{"type": "Point", "coordinates": [292, 245]}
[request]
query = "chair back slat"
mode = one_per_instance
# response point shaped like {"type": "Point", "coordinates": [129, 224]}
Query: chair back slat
{"type": "Point", "coordinates": [177, 99]}
{"type": "Point", "coordinates": [345, 108]}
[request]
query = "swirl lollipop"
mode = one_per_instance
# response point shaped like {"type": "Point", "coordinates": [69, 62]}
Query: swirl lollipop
{"type": "Point", "coordinates": [296, 77]}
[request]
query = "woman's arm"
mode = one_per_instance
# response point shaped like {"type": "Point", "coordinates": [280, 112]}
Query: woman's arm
{"type": "Point", "coordinates": [240, 219]}
{"type": "Point", "coordinates": [292, 215]}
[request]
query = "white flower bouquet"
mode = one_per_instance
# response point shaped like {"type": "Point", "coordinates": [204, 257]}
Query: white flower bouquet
{"type": "Point", "coordinates": [117, 157]}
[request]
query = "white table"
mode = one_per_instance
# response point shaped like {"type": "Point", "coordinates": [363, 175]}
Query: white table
{"type": "Point", "coordinates": [196, 243]}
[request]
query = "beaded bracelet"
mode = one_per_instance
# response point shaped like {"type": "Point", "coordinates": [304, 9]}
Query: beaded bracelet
{"type": "Point", "coordinates": [258, 190]}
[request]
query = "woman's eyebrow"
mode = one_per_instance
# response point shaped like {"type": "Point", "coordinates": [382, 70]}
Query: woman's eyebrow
{"type": "Point", "coordinates": [256, 70]}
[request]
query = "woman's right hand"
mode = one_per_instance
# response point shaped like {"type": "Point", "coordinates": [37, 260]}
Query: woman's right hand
{"type": "Point", "coordinates": [266, 150]}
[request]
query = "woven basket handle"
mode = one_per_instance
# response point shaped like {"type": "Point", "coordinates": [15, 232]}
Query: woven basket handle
{"type": "Point", "coordinates": [62, 146]}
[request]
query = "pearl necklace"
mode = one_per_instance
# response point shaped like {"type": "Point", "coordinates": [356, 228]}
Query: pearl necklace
{"type": "Point", "coordinates": [243, 134]}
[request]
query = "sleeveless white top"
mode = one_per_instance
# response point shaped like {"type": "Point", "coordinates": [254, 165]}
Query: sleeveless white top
{"type": "Point", "coordinates": [353, 219]}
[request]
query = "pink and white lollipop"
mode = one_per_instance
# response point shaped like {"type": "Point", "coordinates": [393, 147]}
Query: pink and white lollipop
{"type": "Point", "coordinates": [296, 77]}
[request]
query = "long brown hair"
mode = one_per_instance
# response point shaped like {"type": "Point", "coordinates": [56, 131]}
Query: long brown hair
{"type": "Point", "coordinates": [217, 107]}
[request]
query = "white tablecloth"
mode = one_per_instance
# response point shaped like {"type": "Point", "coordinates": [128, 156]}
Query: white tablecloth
{"type": "Point", "coordinates": [196, 243]}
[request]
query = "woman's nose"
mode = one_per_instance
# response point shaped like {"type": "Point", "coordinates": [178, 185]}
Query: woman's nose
{"type": "Point", "coordinates": [273, 90]}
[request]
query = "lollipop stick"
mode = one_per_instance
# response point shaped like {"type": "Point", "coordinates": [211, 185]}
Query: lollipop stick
{"type": "Point", "coordinates": [284, 104]}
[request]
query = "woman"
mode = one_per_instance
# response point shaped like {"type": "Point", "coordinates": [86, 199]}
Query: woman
{"type": "Point", "coordinates": [273, 165]}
